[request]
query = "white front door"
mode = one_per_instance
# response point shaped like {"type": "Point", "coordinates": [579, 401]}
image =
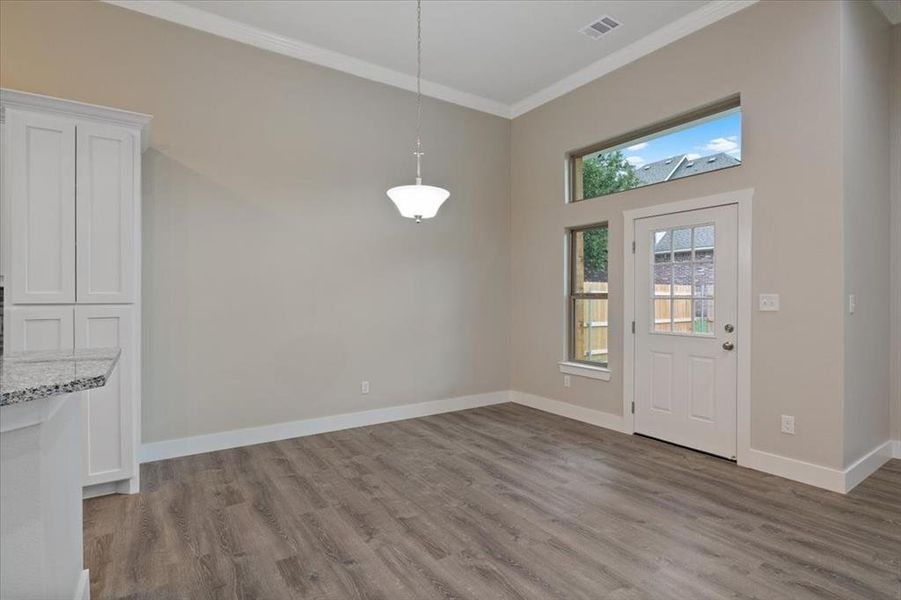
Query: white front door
{"type": "Point", "coordinates": [686, 268]}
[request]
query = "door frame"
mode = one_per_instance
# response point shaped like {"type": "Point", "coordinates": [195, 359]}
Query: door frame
{"type": "Point", "coordinates": [743, 200]}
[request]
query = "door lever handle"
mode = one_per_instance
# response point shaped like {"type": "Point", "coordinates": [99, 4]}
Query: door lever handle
{"type": "Point", "coordinates": [728, 346]}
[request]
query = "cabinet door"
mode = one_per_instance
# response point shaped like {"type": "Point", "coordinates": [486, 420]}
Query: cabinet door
{"type": "Point", "coordinates": [40, 328]}
{"type": "Point", "coordinates": [107, 413]}
{"type": "Point", "coordinates": [42, 208]}
{"type": "Point", "coordinates": [105, 202]}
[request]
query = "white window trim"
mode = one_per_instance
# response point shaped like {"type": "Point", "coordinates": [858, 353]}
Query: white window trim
{"type": "Point", "coordinates": [583, 370]}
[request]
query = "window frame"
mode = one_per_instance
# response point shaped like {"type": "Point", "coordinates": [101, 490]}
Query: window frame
{"type": "Point", "coordinates": [696, 116]}
{"type": "Point", "coordinates": [572, 362]}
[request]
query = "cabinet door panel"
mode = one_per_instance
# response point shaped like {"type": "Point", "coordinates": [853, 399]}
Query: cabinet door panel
{"type": "Point", "coordinates": [105, 214]}
{"type": "Point", "coordinates": [107, 412]}
{"type": "Point", "coordinates": [42, 208]}
{"type": "Point", "coordinates": [40, 328]}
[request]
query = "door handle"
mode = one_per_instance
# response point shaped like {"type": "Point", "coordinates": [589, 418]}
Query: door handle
{"type": "Point", "coordinates": [728, 346]}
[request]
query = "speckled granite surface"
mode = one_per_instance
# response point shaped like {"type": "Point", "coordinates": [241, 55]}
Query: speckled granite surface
{"type": "Point", "coordinates": [26, 376]}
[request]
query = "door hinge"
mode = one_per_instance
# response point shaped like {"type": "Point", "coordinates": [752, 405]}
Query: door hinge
{"type": "Point", "coordinates": [633, 407]}
{"type": "Point", "coordinates": [633, 326]}
{"type": "Point", "coordinates": [633, 246]}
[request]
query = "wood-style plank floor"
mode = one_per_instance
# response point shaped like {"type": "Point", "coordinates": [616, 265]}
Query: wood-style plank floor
{"type": "Point", "coordinates": [491, 503]}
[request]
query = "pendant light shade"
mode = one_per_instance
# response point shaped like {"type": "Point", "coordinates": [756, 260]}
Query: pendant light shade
{"type": "Point", "coordinates": [418, 201]}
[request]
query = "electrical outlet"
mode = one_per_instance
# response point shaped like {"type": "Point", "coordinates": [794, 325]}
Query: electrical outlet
{"type": "Point", "coordinates": [788, 424]}
{"type": "Point", "coordinates": [566, 381]}
{"type": "Point", "coordinates": [768, 302]}
{"type": "Point", "coordinates": [364, 387]}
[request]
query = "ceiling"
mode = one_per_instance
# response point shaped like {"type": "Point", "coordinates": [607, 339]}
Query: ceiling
{"type": "Point", "coordinates": [500, 56]}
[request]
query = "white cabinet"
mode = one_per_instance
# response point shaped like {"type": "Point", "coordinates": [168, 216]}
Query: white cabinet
{"type": "Point", "coordinates": [105, 260]}
{"type": "Point", "coordinates": [109, 419]}
{"type": "Point", "coordinates": [40, 328]}
{"type": "Point", "coordinates": [71, 240]}
{"type": "Point", "coordinates": [42, 207]}
{"type": "Point", "coordinates": [107, 413]}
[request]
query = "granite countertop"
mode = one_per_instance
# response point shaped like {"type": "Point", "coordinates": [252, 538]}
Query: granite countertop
{"type": "Point", "coordinates": [26, 376]}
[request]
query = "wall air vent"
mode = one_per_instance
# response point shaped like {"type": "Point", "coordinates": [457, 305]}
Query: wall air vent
{"type": "Point", "coordinates": [597, 28]}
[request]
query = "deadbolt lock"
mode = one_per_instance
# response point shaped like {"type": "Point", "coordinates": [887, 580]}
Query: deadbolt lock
{"type": "Point", "coordinates": [729, 328]}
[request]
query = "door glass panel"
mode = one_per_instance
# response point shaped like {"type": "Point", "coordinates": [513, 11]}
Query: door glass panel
{"type": "Point", "coordinates": [683, 288]}
{"type": "Point", "coordinates": [703, 279]}
{"type": "Point", "coordinates": [703, 242]}
{"type": "Point", "coordinates": [681, 245]}
{"type": "Point", "coordinates": [663, 246]}
{"type": "Point", "coordinates": [662, 316]}
{"type": "Point", "coordinates": [682, 316]}
{"type": "Point", "coordinates": [682, 280]}
{"type": "Point", "coordinates": [663, 276]}
{"type": "Point", "coordinates": [703, 317]}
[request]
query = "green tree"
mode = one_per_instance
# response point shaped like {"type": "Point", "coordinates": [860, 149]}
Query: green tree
{"type": "Point", "coordinates": [595, 254]}
{"type": "Point", "coordinates": [603, 174]}
{"type": "Point", "coordinates": [607, 173]}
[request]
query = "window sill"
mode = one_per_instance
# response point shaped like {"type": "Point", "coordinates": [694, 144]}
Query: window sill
{"type": "Point", "coordinates": [583, 370]}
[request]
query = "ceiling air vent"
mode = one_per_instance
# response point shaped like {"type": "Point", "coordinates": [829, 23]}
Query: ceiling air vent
{"type": "Point", "coordinates": [597, 28]}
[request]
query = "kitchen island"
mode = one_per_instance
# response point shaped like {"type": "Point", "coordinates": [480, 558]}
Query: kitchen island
{"type": "Point", "coordinates": [41, 554]}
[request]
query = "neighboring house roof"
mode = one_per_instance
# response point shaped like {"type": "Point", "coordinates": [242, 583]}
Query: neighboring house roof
{"type": "Point", "coordinates": [676, 167]}
{"type": "Point", "coordinates": [704, 164]}
{"type": "Point", "coordinates": [661, 170]}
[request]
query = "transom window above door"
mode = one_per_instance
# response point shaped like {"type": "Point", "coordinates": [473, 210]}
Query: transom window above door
{"type": "Point", "coordinates": [701, 141]}
{"type": "Point", "coordinates": [682, 288]}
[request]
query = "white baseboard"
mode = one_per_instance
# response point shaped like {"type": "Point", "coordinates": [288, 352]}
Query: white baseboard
{"type": "Point", "coordinates": [565, 409]}
{"type": "Point", "coordinates": [836, 480]}
{"type": "Point", "coordinates": [281, 431]}
{"type": "Point", "coordinates": [83, 588]}
{"type": "Point", "coordinates": [820, 476]}
{"type": "Point", "coordinates": [896, 449]}
{"type": "Point", "coordinates": [868, 464]}
{"type": "Point", "coordinates": [99, 489]}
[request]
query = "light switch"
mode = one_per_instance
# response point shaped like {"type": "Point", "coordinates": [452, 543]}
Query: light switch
{"type": "Point", "coordinates": [769, 302]}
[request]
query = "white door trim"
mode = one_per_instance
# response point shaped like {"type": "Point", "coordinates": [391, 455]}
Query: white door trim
{"type": "Point", "coordinates": [743, 199]}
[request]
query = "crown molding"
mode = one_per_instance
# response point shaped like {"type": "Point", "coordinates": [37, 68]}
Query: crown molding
{"type": "Point", "coordinates": [693, 21]}
{"type": "Point", "coordinates": [202, 20]}
{"type": "Point", "coordinates": [891, 9]}
{"type": "Point", "coordinates": [194, 18]}
{"type": "Point", "coordinates": [72, 108]}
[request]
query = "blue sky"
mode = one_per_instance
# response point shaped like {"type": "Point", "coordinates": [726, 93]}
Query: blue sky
{"type": "Point", "coordinates": [721, 134]}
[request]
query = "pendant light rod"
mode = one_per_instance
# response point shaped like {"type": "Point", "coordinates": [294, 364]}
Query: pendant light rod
{"type": "Point", "coordinates": [418, 151]}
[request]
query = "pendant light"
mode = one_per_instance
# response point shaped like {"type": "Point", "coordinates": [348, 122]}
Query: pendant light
{"type": "Point", "coordinates": [418, 201]}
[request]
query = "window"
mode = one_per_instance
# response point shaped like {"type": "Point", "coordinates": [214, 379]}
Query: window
{"type": "Point", "coordinates": [705, 140]}
{"type": "Point", "coordinates": [683, 287]}
{"type": "Point", "coordinates": [588, 295]}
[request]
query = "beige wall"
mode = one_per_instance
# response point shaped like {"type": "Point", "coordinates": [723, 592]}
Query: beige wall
{"type": "Point", "coordinates": [783, 57]}
{"type": "Point", "coordinates": [866, 53]}
{"type": "Point", "coordinates": [277, 275]}
{"type": "Point", "coordinates": [895, 366]}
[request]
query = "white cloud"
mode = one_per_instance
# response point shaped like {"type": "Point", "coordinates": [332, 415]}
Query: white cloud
{"type": "Point", "coordinates": [637, 147]}
{"type": "Point", "coordinates": [692, 156]}
{"type": "Point", "coordinates": [722, 144]}
{"type": "Point", "coordinates": [635, 161]}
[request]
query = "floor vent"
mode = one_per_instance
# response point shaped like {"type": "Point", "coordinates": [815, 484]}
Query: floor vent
{"type": "Point", "coordinates": [601, 26]}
